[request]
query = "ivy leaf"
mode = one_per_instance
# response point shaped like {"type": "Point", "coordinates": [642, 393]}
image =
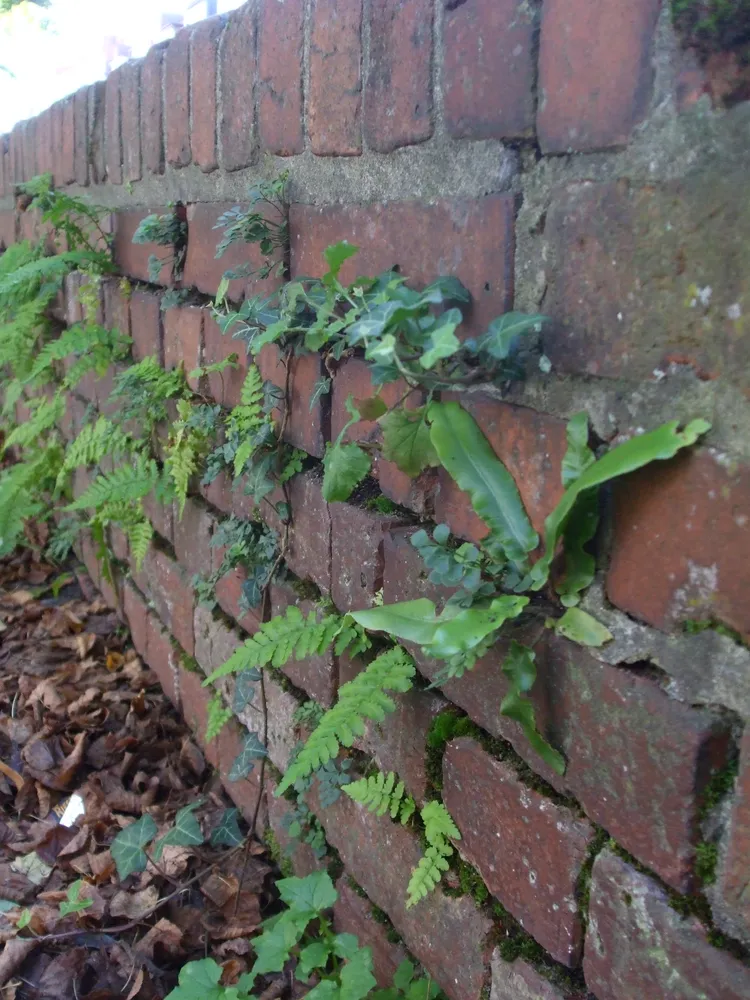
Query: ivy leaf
{"type": "Point", "coordinates": [127, 847]}
{"type": "Point", "coordinates": [503, 333]}
{"type": "Point", "coordinates": [443, 341]}
{"type": "Point", "coordinates": [6, 905]}
{"type": "Point", "coordinates": [659, 444]}
{"type": "Point", "coordinates": [244, 688]}
{"type": "Point", "coordinates": [406, 441]}
{"type": "Point", "coordinates": [74, 904]}
{"type": "Point", "coordinates": [580, 627]}
{"type": "Point", "coordinates": [186, 831]}
{"type": "Point", "coordinates": [227, 833]}
{"type": "Point", "coordinates": [313, 893]}
{"type": "Point", "coordinates": [469, 459]}
{"type": "Point", "coordinates": [370, 408]}
{"type": "Point", "coordinates": [336, 255]}
{"type": "Point", "coordinates": [252, 750]}
{"type": "Point", "coordinates": [322, 387]}
{"type": "Point", "coordinates": [346, 465]}
{"type": "Point", "coordinates": [579, 456]}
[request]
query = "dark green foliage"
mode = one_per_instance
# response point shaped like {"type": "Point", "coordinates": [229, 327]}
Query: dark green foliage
{"type": "Point", "coordinates": [706, 860]}
{"type": "Point", "coordinates": [165, 231]}
{"type": "Point", "coordinates": [712, 25]}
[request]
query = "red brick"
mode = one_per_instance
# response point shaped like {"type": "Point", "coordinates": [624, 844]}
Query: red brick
{"type": "Point", "coordinates": [637, 945]}
{"type": "Point", "coordinates": [162, 658]}
{"type": "Point", "coordinates": [280, 77]}
{"type": "Point", "coordinates": [472, 239]}
{"type": "Point", "coordinates": [304, 428]}
{"type": "Point", "coordinates": [7, 229]}
{"type": "Point", "coordinates": [56, 127]}
{"type": "Point", "coordinates": [528, 850]}
{"type": "Point", "coordinates": [81, 120]}
{"type": "Point", "coordinates": [733, 878]}
{"type": "Point", "coordinates": [229, 593]}
{"type": "Point", "coordinates": [448, 935]}
{"type": "Point", "coordinates": [28, 148]}
{"type": "Point", "coordinates": [595, 72]}
{"type": "Point", "coordinates": [4, 183]}
{"type": "Point", "coordinates": [14, 154]}
{"type": "Point", "coordinates": [353, 379]}
{"type": "Point", "coordinates": [335, 98]}
{"type": "Point", "coordinates": [152, 111]}
{"type": "Point", "coordinates": [301, 855]}
{"type": "Point", "coordinates": [130, 109]}
{"type": "Point", "coordinates": [68, 151]}
{"type": "Point", "coordinates": [118, 542]}
{"type": "Point", "coordinates": [281, 706]}
{"type": "Point", "coordinates": [177, 104]}
{"type": "Point", "coordinates": [309, 549]}
{"type": "Point", "coordinates": [192, 535]}
{"type": "Point", "coordinates": [520, 981]}
{"type": "Point", "coordinates": [316, 675]}
{"type": "Point", "coordinates": [202, 268]}
{"type": "Point", "coordinates": [691, 518]}
{"type": "Point", "coordinates": [173, 597]}
{"type": "Point", "coordinates": [116, 306]}
{"type": "Point", "coordinates": [136, 614]}
{"type": "Point", "coordinates": [352, 914]}
{"type": "Point", "coordinates": [204, 44]}
{"type": "Point", "coordinates": [225, 387]}
{"type": "Point", "coordinates": [488, 74]}
{"type": "Point", "coordinates": [357, 554]}
{"type": "Point", "coordinates": [530, 444]}
{"type": "Point", "coordinates": [238, 66]}
{"type": "Point", "coordinates": [398, 106]}
{"type": "Point", "coordinates": [132, 258]}
{"type": "Point", "coordinates": [112, 127]}
{"type": "Point", "coordinates": [146, 325]}
{"type": "Point", "coordinates": [219, 493]}
{"type": "Point", "coordinates": [97, 143]}
{"type": "Point", "coordinates": [183, 339]}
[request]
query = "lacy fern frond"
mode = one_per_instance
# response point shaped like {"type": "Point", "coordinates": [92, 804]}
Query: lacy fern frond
{"type": "Point", "coordinates": [283, 638]}
{"type": "Point", "coordinates": [94, 442]}
{"type": "Point", "coordinates": [145, 387]}
{"type": "Point", "coordinates": [382, 793]}
{"type": "Point", "coordinates": [92, 344]}
{"type": "Point", "coordinates": [438, 827]}
{"type": "Point", "coordinates": [128, 482]}
{"type": "Point", "coordinates": [438, 824]}
{"type": "Point", "coordinates": [25, 281]}
{"type": "Point", "coordinates": [20, 334]}
{"type": "Point", "coordinates": [46, 414]}
{"type": "Point", "coordinates": [247, 418]}
{"type": "Point", "coordinates": [217, 716]}
{"type": "Point", "coordinates": [63, 538]}
{"type": "Point", "coordinates": [139, 536]}
{"type": "Point", "coordinates": [185, 449]}
{"type": "Point", "coordinates": [364, 697]}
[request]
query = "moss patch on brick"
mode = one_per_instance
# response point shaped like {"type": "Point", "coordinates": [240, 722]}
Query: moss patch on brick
{"type": "Point", "coordinates": [706, 859]}
{"type": "Point", "coordinates": [583, 882]}
{"type": "Point", "coordinates": [712, 25]}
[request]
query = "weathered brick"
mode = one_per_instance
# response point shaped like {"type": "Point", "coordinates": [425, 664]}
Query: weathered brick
{"type": "Point", "coordinates": [152, 110]}
{"type": "Point", "coordinates": [97, 143]}
{"type": "Point", "coordinates": [488, 73]}
{"type": "Point", "coordinates": [173, 597]}
{"type": "Point", "coordinates": [67, 149]}
{"type": "Point", "coordinates": [530, 444]}
{"type": "Point", "coordinates": [309, 548]}
{"type": "Point", "coordinates": [352, 914]}
{"type": "Point", "coordinates": [691, 518]}
{"type": "Point", "coordinates": [301, 855]}
{"type": "Point", "coordinates": [177, 104]}
{"type": "Point", "coordinates": [335, 99]}
{"type": "Point", "coordinates": [132, 258]}
{"type": "Point", "coordinates": [732, 908]}
{"type": "Point", "coordinates": [357, 554]}
{"type": "Point", "coordinates": [112, 127]}
{"type": "Point", "coordinates": [520, 981]}
{"type": "Point", "coordinates": [637, 945]}
{"type": "Point", "coordinates": [7, 229]}
{"type": "Point", "coordinates": [116, 306]}
{"type": "Point", "coordinates": [192, 535]}
{"type": "Point", "coordinates": [353, 379]}
{"type": "Point", "coordinates": [595, 72]}
{"type": "Point", "coordinates": [215, 641]}
{"type": "Point", "coordinates": [55, 149]}
{"type": "Point", "coordinates": [472, 239]}
{"type": "Point", "coordinates": [183, 339]}
{"type": "Point", "coordinates": [136, 614]}
{"type": "Point", "coordinates": [448, 935]}
{"type": "Point", "coordinates": [162, 658]}
{"type": "Point", "coordinates": [280, 77]}
{"type": "Point", "coordinates": [130, 110]}
{"type": "Point", "coordinates": [229, 595]}
{"type": "Point", "coordinates": [237, 73]}
{"type": "Point", "coordinates": [4, 181]}
{"type": "Point", "coordinates": [279, 717]}
{"type": "Point", "coordinates": [81, 125]}
{"type": "Point", "coordinates": [398, 106]}
{"type": "Point", "coordinates": [317, 675]}
{"type": "Point", "coordinates": [528, 850]}
{"type": "Point", "coordinates": [15, 154]}
{"type": "Point", "coordinates": [204, 44]}
{"type": "Point", "coordinates": [146, 325]}
{"type": "Point", "coordinates": [304, 427]}
{"type": "Point", "coordinates": [225, 387]}
{"type": "Point", "coordinates": [219, 493]}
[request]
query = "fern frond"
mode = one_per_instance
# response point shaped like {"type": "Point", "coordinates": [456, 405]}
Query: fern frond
{"type": "Point", "coordinates": [62, 538]}
{"type": "Point", "coordinates": [139, 537]}
{"type": "Point", "coordinates": [45, 416]}
{"type": "Point", "coordinates": [94, 442]}
{"type": "Point", "coordinates": [247, 418]}
{"type": "Point", "coordinates": [283, 638]}
{"type": "Point", "coordinates": [427, 874]}
{"type": "Point", "coordinates": [364, 697]}
{"type": "Point", "coordinates": [128, 482]}
{"type": "Point", "coordinates": [185, 448]}
{"type": "Point", "coordinates": [438, 824]}
{"type": "Point", "coordinates": [25, 281]}
{"type": "Point", "coordinates": [381, 794]}
{"type": "Point", "coordinates": [217, 716]}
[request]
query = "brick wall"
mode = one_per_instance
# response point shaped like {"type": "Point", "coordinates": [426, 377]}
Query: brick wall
{"type": "Point", "coordinates": [561, 156]}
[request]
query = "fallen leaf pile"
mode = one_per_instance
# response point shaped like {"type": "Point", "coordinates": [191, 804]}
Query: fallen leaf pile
{"type": "Point", "coordinates": [89, 745]}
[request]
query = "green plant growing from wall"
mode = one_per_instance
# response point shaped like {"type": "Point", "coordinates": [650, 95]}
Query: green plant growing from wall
{"type": "Point", "coordinates": [168, 230]}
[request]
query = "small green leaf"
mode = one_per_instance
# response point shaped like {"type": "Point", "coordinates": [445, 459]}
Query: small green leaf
{"type": "Point", "coordinates": [337, 254]}
{"type": "Point", "coordinates": [252, 750]}
{"type": "Point", "coordinates": [127, 847]}
{"type": "Point", "coordinates": [503, 333]}
{"type": "Point", "coordinates": [413, 621]}
{"type": "Point", "coordinates": [345, 465]}
{"type": "Point", "coordinates": [464, 631]}
{"type": "Point", "coordinates": [314, 956]}
{"type": "Point", "coordinates": [443, 342]}
{"type": "Point", "coordinates": [322, 387]}
{"type": "Point", "coordinates": [403, 975]}
{"type": "Point", "coordinates": [186, 831]}
{"type": "Point", "coordinates": [74, 904]}
{"type": "Point", "coordinates": [274, 946]}
{"type": "Point", "coordinates": [520, 670]}
{"type": "Point", "coordinates": [406, 441]}
{"type": "Point", "coordinates": [356, 977]}
{"type": "Point", "coordinates": [345, 945]}
{"type": "Point", "coordinates": [370, 408]}
{"type": "Point", "coordinates": [580, 565]}
{"type": "Point", "coordinates": [227, 833]}
{"type": "Point", "coordinates": [313, 893]}
{"type": "Point", "coordinates": [24, 919]}
{"type": "Point", "coordinates": [579, 456]}
{"type": "Point", "coordinates": [244, 689]}
{"type": "Point", "coordinates": [580, 627]}
{"type": "Point", "coordinates": [200, 981]}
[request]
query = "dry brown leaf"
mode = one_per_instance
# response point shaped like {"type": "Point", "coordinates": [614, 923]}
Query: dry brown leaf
{"type": "Point", "coordinates": [114, 660]}
{"type": "Point", "coordinates": [163, 934]}
{"type": "Point", "coordinates": [21, 597]}
{"type": "Point", "coordinates": [234, 946]}
{"type": "Point", "coordinates": [137, 984]}
{"type": "Point", "coordinates": [77, 844]}
{"type": "Point", "coordinates": [45, 800]}
{"type": "Point", "coordinates": [102, 866]}
{"type": "Point", "coordinates": [174, 860]}
{"type": "Point", "coordinates": [14, 776]}
{"type": "Point", "coordinates": [134, 905]}
{"type": "Point", "coordinates": [71, 763]}
{"type": "Point", "coordinates": [13, 954]}
{"type": "Point", "coordinates": [219, 888]}
{"type": "Point", "coordinates": [89, 696]}
{"type": "Point", "coordinates": [47, 694]}
{"type": "Point", "coordinates": [84, 643]}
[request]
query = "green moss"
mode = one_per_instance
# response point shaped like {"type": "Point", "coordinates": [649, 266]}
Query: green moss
{"type": "Point", "coordinates": [445, 727]}
{"type": "Point", "coordinates": [695, 626]}
{"type": "Point", "coordinates": [381, 504]}
{"type": "Point", "coordinates": [706, 859]}
{"type": "Point", "coordinates": [381, 917]}
{"type": "Point", "coordinates": [355, 887]}
{"type": "Point", "coordinates": [712, 25]}
{"type": "Point", "coordinates": [274, 849]}
{"type": "Point", "coordinates": [471, 882]}
{"type": "Point", "coordinates": [189, 663]}
{"type": "Point", "coordinates": [627, 899]}
{"type": "Point", "coordinates": [583, 882]}
{"type": "Point", "coordinates": [719, 785]}
{"type": "Point", "coordinates": [305, 590]}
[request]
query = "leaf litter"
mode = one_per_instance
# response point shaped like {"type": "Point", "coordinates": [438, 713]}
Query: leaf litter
{"type": "Point", "coordinates": [89, 746]}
